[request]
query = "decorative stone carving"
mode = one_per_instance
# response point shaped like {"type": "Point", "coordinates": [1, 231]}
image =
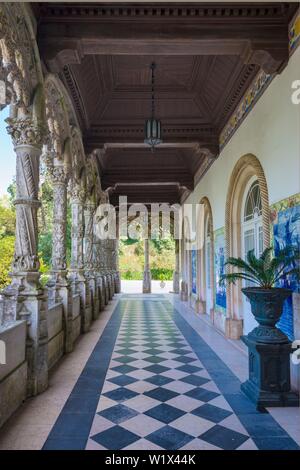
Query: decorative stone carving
{"type": "Point", "coordinates": [27, 139]}
{"type": "Point", "coordinates": [77, 233]}
{"type": "Point", "coordinates": [16, 51]}
{"type": "Point", "coordinates": [89, 210]}
{"type": "Point", "coordinates": [59, 178]}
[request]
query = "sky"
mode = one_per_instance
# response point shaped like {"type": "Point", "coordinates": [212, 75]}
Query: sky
{"type": "Point", "coordinates": [7, 155]}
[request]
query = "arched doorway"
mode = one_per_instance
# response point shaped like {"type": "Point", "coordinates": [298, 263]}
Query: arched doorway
{"type": "Point", "coordinates": [247, 226]}
{"type": "Point", "coordinates": [207, 261]}
{"type": "Point", "coordinates": [252, 238]}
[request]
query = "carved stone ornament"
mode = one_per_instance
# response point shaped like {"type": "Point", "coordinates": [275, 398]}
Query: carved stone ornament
{"type": "Point", "coordinates": [17, 54]}
{"type": "Point", "coordinates": [25, 132]}
{"type": "Point", "coordinates": [77, 193]}
{"type": "Point", "coordinates": [59, 174]}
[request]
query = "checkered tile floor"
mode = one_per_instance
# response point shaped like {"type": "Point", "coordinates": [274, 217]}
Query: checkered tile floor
{"type": "Point", "coordinates": [157, 394]}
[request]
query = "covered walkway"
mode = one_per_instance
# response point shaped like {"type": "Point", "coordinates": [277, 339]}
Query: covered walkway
{"type": "Point", "coordinates": [120, 116]}
{"type": "Point", "coordinates": [158, 377]}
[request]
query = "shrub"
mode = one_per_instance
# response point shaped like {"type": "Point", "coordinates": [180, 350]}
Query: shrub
{"type": "Point", "coordinates": [7, 245]}
{"type": "Point", "coordinates": [159, 274]}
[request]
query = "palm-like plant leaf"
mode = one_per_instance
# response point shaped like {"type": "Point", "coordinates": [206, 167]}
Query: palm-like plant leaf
{"type": "Point", "coordinates": [266, 270]}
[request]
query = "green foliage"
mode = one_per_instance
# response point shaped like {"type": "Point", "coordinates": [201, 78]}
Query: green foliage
{"type": "Point", "coordinates": [163, 244]}
{"type": "Point", "coordinates": [12, 190]}
{"type": "Point", "coordinates": [157, 274]}
{"type": "Point", "coordinates": [45, 249]}
{"type": "Point", "coordinates": [6, 254]}
{"type": "Point", "coordinates": [7, 239]}
{"type": "Point", "coordinates": [128, 241]}
{"type": "Point", "coordinates": [132, 275]}
{"type": "Point", "coordinates": [7, 218]}
{"type": "Point", "coordinates": [161, 274]}
{"type": "Point", "coordinates": [266, 270]}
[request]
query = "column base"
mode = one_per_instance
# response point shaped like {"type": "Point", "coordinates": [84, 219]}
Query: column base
{"type": "Point", "coordinates": [61, 292]}
{"type": "Point", "coordinates": [24, 299]}
{"type": "Point", "coordinates": [195, 304]}
{"type": "Point", "coordinates": [85, 303]}
{"type": "Point", "coordinates": [233, 328]}
{"type": "Point", "coordinates": [147, 282]}
{"type": "Point", "coordinates": [176, 282]}
{"type": "Point", "coordinates": [265, 399]}
{"type": "Point", "coordinates": [183, 292]}
{"type": "Point", "coordinates": [269, 374]}
{"type": "Point", "coordinates": [111, 286]}
{"type": "Point", "coordinates": [117, 282]}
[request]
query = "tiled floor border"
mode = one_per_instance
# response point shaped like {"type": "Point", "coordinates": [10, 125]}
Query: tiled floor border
{"type": "Point", "coordinates": [262, 427]}
{"type": "Point", "coordinates": [72, 427]}
{"type": "Point", "coordinates": [71, 430]}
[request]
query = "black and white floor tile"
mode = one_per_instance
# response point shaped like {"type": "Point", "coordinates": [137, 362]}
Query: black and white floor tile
{"type": "Point", "coordinates": [157, 394]}
{"type": "Point", "coordinates": [153, 383]}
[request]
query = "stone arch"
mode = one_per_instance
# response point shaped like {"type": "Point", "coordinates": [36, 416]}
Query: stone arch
{"type": "Point", "coordinates": [207, 221]}
{"type": "Point", "coordinates": [20, 66]}
{"type": "Point", "coordinates": [77, 154]}
{"type": "Point", "coordinates": [57, 120]}
{"type": "Point", "coordinates": [245, 168]}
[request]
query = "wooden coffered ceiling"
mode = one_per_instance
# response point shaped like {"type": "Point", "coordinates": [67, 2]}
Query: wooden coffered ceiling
{"type": "Point", "coordinates": [206, 57]}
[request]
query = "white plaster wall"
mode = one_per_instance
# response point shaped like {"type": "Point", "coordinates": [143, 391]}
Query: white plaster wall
{"type": "Point", "coordinates": [271, 132]}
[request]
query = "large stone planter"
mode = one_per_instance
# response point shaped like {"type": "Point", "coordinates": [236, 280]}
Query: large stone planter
{"type": "Point", "coordinates": [269, 351]}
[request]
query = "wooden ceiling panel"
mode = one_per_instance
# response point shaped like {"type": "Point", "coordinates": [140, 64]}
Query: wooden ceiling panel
{"type": "Point", "coordinates": [206, 57]}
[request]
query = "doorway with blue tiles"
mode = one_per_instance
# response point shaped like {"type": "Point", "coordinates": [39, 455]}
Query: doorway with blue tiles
{"type": "Point", "coordinates": [153, 383]}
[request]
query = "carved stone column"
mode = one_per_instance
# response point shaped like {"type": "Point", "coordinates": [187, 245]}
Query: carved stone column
{"type": "Point", "coordinates": [176, 271]}
{"type": "Point", "coordinates": [115, 260]}
{"type": "Point", "coordinates": [103, 269]}
{"type": "Point", "coordinates": [77, 277]}
{"type": "Point", "coordinates": [24, 299]}
{"type": "Point", "coordinates": [89, 256]}
{"type": "Point", "coordinates": [106, 269]}
{"type": "Point", "coordinates": [147, 272]}
{"type": "Point", "coordinates": [98, 274]}
{"type": "Point", "coordinates": [59, 285]}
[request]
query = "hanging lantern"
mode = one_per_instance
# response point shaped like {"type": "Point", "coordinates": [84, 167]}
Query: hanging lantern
{"type": "Point", "coordinates": [152, 125]}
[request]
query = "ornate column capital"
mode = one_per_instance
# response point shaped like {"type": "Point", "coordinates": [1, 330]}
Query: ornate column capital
{"type": "Point", "coordinates": [59, 174]}
{"type": "Point", "coordinates": [25, 132]}
{"type": "Point", "coordinates": [77, 193]}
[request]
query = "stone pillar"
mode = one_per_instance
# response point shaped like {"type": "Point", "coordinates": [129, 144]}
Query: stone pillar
{"type": "Point", "coordinates": [109, 267]}
{"type": "Point", "coordinates": [89, 258]}
{"type": "Point", "coordinates": [59, 286]}
{"type": "Point", "coordinates": [147, 272]}
{"type": "Point", "coordinates": [176, 271]}
{"type": "Point", "coordinates": [98, 274]}
{"type": "Point", "coordinates": [95, 273]}
{"type": "Point", "coordinates": [115, 265]}
{"type": "Point", "coordinates": [77, 277]}
{"type": "Point", "coordinates": [24, 299]}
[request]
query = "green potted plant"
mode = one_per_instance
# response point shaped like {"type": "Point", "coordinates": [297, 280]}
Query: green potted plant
{"type": "Point", "coordinates": [269, 348]}
{"type": "Point", "coordinates": [264, 273]}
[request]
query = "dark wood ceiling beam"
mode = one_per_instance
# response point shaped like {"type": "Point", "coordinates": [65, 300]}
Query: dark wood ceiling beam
{"type": "Point", "coordinates": [257, 33]}
{"type": "Point", "coordinates": [131, 137]}
{"type": "Point", "coordinates": [154, 176]}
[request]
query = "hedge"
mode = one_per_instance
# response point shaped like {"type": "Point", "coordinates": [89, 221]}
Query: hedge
{"type": "Point", "coordinates": [157, 274]}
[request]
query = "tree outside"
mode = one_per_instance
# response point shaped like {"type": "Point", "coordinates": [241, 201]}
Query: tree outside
{"type": "Point", "coordinates": [162, 259]}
